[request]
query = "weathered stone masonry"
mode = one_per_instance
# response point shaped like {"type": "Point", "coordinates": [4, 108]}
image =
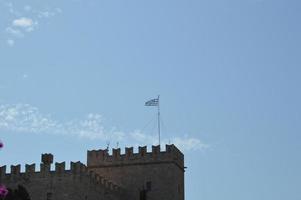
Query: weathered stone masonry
{"type": "Point", "coordinates": [155, 175]}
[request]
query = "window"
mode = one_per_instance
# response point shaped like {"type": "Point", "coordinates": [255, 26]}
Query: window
{"type": "Point", "coordinates": [142, 195]}
{"type": "Point", "coordinates": [149, 186]}
{"type": "Point", "coordinates": [48, 196]}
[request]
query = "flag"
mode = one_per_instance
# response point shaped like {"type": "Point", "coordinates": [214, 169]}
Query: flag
{"type": "Point", "coordinates": [153, 102]}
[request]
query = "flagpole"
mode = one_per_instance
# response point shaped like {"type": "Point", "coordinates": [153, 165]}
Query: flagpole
{"type": "Point", "coordinates": [159, 134]}
{"type": "Point", "coordinates": [156, 102]}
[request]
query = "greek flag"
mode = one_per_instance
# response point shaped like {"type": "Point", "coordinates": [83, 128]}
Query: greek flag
{"type": "Point", "coordinates": [153, 102]}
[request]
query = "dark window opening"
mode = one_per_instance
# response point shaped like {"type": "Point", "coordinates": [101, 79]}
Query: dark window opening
{"type": "Point", "coordinates": [48, 196]}
{"type": "Point", "coordinates": [149, 186]}
{"type": "Point", "coordinates": [142, 194]}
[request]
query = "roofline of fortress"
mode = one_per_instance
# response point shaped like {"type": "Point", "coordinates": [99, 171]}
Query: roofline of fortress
{"type": "Point", "coordinates": [98, 158]}
{"type": "Point", "coordinates": [77, 170]}
{"type": "Point", "coordinates": [102, 157]}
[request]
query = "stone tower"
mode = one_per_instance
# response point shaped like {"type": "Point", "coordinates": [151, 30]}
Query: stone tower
{"type": "Point", "coordinates": [155, 175]}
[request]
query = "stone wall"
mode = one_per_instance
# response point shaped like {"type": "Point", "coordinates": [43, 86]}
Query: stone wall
{"type": "Point", "coordinates": [159, 173]}
{"type": "Point", "coordinates": [155, 175]}
{"type": "Point", "coordinates": [61, 184]}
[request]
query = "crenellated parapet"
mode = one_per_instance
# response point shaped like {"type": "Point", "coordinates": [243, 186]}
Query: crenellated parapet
{"type": "Point", "coordinates": [15, 170]}
{"type": "Point", "coordinates": [47, 158]}
{"type": "Point", "coordinates": [78, 172]}
{"type": "Point", "coordinates": [30, 170]}
{"type": "Point", "coordinates": [78, 168]}
{"type": "Point", "coordinates": [102, 158]}
{"type": "Point", "coordinates": [2, 171]}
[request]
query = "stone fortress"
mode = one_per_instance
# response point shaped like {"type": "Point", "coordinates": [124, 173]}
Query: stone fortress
{"type": "Point", "coordinates": [155, 175]}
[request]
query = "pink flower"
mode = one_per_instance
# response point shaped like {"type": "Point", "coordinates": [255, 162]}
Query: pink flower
{"type": "Point", "coordinates": [3, 191]}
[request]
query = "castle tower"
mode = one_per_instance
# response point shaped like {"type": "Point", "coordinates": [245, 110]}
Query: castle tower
{"type": "Point", "coordinates": [155, 175]}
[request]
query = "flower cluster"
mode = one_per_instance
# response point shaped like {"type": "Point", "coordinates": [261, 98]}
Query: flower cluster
{"type": "Point", "coordinates": [3, 189]}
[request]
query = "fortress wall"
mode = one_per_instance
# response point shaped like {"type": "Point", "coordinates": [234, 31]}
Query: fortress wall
{"type": "Point", "coordinates": [76, 183]}
{"type": "Point", "coordinates": [103, 158]}
{"type": "Point", "coordinates": [164, 169]}
{"type": "Point", "coordinates": [158, 173]}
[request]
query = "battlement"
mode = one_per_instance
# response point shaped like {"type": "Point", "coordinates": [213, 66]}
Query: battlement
{"type": "Point", "coordinates": [47, 158]}
{"type": "Point", "coordinates": [102, 158]}
{"type": "Point", "coordinates": [78, 171]}
{"type": "Point", "coordinates": [157, 172]}
{"type": "Point", "coordinates": [15, 170]}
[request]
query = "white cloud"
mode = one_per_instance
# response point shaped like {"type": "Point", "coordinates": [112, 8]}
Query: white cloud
{"type": "Point", "coordinates": [14, 32]}
{"type": "Point", "coordinates": [58, 10]}
{"type": "Point", "coordinates": [23, 22]}
{"type": "Point", "coordinates": [143, 138]}
{"type": "Point", "coordinates": [11, 9]}
{"type": "Point", "coordinates": [24, 118]}
{"type": "Point", "coordinates": [184, 143]}
{"type": "Point", "coordinates": [188, 143]}
{"type": "Point", "coordinates": [10, 42]}
{"type": "Point", "coordinates": [29, 29]}
{"type": "Point", "coordinates": [27, 8]}
{"type": "Point", "coordinates": [22, 25]}
{"type": "Point", "coordinates": [46, 14]}
{"type": "Point", "coordinates": [49, 13]}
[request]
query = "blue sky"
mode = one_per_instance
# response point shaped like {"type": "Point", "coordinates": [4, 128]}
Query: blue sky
{"type": "Point", "coordinates": [75, 74]}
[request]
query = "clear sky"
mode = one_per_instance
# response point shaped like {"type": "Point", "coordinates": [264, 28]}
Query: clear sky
{"type": "Point", "coordinates": [75, 74]}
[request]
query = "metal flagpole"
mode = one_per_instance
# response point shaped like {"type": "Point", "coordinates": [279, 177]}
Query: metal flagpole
{"type": "Point", "coordinates": [159, 120]}
{"type": "Point", "coordinates": [156, 102]}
